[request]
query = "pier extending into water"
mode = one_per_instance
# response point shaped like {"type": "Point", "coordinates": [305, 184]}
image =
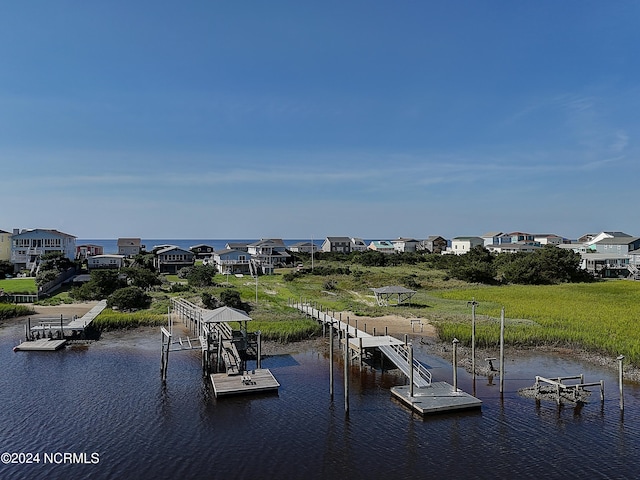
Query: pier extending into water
{"type": "Point", "coordinates": [421, 395]}
{"type": "Point", "coordinates": [52, 334]}
{"type": "Point", "coordinates": [224, 350]}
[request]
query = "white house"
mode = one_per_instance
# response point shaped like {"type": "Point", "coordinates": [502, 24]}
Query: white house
{"type": "Point", "coordinates": [402, 245]}
{"type": "Point", "coordinates": [303, 247]}
{"type": "Point", "coordinates": [268, 254]}
{"type": "Point", "coordinates": [27, 246]}
{"type": "Point", "coordinates": [462, 245]}
{"type": "Point", "coordinates": [105, 261]}
{"type": "Point", "coordinates": [129, 246]}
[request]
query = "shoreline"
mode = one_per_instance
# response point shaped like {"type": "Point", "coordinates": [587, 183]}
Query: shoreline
{"type": "Point", "coordinates": [394, 324]}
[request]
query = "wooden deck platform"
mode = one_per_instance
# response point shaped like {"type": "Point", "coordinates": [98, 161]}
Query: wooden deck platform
{"type": "Point", "coordinates": [252, 381]}
{"type": "Point", "coordinates": [42, 345]}
{"type": "Point", "coordinates": [439, 397]}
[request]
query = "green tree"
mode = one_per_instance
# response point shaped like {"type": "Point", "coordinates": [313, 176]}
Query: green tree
{"type": "Point", "coordinates": [201, 275]}
{"type": "Point", "coordinates": [231, 298]}
{"type": "Point", "coordinates": [129, 298]}
{"type": "Point", "coordinates": [141, 277]}
{"type": "Point", "coordinates": [6, 268]}
{"type": "Point", "coordinates": [101, 284]}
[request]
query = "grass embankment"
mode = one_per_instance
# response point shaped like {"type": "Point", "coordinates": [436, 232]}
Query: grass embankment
{"type": "Point", "coordinates": [603, 317]}
{"type": "Point", "coordinates": [19, 286]}
{"type": "Point", "coordinates": [10, 310]}
{"type": "Point", "coordinates": [110, 320]}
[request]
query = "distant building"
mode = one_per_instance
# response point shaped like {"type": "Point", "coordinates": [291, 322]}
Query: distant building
{"type": "Point", "coordinates": [27, 247]}
{"type": "Point", "coordinates": [402, 245]}
{"type": "Point", "coordinates": [268, 254]}
{"type": "Point", "coordinates": [88, 250]}
{"type": "Point", "coordinates": [229, 261]}
{"type": "Point", "coordinates": [5, 246]}
{"type": "Point", "coordinates": [358, 245]}
{"type": "Point", "coordinates": [462, 245]}
{"type": "Point", "coordinates": [111, 261]}
{"type": "Point", "coordinates": [433, 244]}
{"type": "Point", "coordinates": [337, 244]}
{"type": "Point", "coordinates": [202, 251]}
{"type": "Point", "coordinates": [171, 259]}
{"type": "Point", "coordinates": [383, 246]}
{"type": "Point", "coordinates": [303, 247]}
{"type": "Point", "coordinates": [129, 247]}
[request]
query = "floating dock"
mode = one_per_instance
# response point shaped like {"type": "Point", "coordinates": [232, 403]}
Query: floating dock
{"type": "Point", "coordinates": [252, 381]}
{"type": "Point", "coordinates": [42, 345]}
{"type": "Point", "coordinates": [439, 397]}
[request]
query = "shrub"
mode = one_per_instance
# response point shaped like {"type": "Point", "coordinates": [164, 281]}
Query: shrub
{"type": "Point", "coordinates": [128, 299]}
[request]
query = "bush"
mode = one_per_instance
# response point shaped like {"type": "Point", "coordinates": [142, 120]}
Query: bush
{"type": "Point", "coordinates": [128, 299]}
{"type": "Point", "coordinates": [231, 298]}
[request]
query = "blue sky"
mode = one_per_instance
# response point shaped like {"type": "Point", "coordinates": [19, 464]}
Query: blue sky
{"type": "Point", "coordinates": [301, 119]}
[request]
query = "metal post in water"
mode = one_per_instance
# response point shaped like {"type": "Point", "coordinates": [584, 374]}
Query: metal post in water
{"type": "Point", "coordinates": [455, 364]}
{"type": "Point", "coordinates": [620, 359]}
{"type": "Point", "coordinates": [502, 350]}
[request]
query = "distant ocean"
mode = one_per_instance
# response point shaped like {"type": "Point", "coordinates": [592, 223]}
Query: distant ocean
{"type": "Point", "coordinates": [110, 245]}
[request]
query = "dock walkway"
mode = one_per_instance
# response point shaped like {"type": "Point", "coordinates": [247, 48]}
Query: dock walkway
{"type": "Point", "coordinates": [424, 396]}
{"type": "Point", "coordinates": [394, 349]}
{"type": "Point", "coordinates": [51, 328]}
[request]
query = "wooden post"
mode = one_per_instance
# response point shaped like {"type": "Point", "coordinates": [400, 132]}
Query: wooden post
{"type": "Point", "coordinates": [360, 350]}
{"type": "Point", "coordinates": [455, 363]}
{"type": "Point", "coordinates": [346, 373]}
{"type": "Point", "coordinates": [473, 337]}
{"type": "Point", "coordinates": [502, 350]}
{"type": "Point", "coordinates": [259, 340]}
{"type": "Point", "coordinates": [331, 359]}
{"type": "Point", "coordinates": [386, 331]}
{"type": "Point", "coordinates": [411, 370]}
{"type": "Point", "coordinates": [620, 383]}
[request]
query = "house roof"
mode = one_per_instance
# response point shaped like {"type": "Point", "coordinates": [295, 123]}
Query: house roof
{"type": "Point", "coordinates": [492, 234]}
{"type": "Point", "coordinates": [403, 240]}
{"type": "Point", "coordinates": [431, 238]}
{"type": "Point", "coordinates": [171, 248]}
{"type": "Point", "coordinates": [618, 240]}
{"type": "Point", "coordinates": [469, 238]}
{"type": "Point", "coordinates": [200, 245]}
{"type": "Point", "coordinates": [268, 242]}
{"type": "Point", "coordinates": [225, 314]}
{"type": "Point", "coordinates": [392, 289]}
{"type": "Point", "coordinates": [129, 242]}
{"type": "Point", "coordinates": [339, 239]}
{"type": "Point", "coordinates": [48, 230]}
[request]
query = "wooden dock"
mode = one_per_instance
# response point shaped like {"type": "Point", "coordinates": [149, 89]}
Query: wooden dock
{"type": "Point", "coordinates": [252, 381]}
{"type": "Point", "coordinates": [42, 345]}
{"type": "Point", "coordinates": [426, 397]}
{"type": "Point", "coordinates": [439, 397]}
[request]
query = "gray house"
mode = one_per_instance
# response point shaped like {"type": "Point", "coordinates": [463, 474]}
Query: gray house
{"type": "Point", "coordinates": [337, 244]}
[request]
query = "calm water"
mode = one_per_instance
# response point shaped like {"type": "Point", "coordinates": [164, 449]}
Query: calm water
{"type": "Point", "coordinates": [108, 399]}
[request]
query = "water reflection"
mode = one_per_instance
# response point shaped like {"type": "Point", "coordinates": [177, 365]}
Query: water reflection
{"type": "Point", "coordinates": [150, 430]}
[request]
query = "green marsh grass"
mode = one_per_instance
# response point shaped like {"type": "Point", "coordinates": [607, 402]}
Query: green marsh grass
{"type": "Point", "coordinates": [602, 317]}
